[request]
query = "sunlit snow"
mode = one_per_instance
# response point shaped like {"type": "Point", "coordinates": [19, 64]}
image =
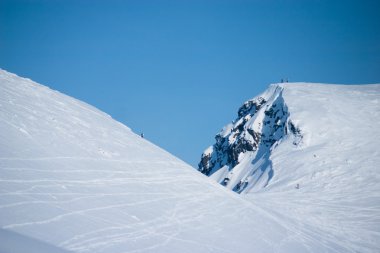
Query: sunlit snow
{"type": "Point", "coordinates": [309, 154]}
{"type": "Point", "coordinates": [74, 179]}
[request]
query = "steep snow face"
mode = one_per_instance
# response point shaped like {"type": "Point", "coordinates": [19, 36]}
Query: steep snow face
{"type": "Point", "coordinates": [240, 157]}
{"type": "Point", "coordinates": [336, 169]}
{"type": "Point", "coordinates": [72, 178]}
{"type": "Point", "coordinates": [320, 169]}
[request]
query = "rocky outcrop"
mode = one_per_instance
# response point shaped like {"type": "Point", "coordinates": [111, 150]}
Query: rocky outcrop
{"type": "Point", "coordinates": [240, 158]}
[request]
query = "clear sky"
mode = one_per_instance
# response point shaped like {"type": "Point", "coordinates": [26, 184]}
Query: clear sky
{"type": "Point", "coordinates": [179, 70]}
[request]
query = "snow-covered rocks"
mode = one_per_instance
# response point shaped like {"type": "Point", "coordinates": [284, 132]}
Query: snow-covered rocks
{"type": "Point", "coordinates": [240, 157]}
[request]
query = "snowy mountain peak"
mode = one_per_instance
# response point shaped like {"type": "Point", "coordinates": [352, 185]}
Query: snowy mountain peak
{"type": "Point", "coordinates": [240, 158]}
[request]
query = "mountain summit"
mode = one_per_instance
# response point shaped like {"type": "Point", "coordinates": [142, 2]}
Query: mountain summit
{"type": "Point", "coordinates": [241, 158]}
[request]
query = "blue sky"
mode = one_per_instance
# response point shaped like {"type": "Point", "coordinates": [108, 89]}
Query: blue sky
{"type": "Point", "coordinates": [179, 70]}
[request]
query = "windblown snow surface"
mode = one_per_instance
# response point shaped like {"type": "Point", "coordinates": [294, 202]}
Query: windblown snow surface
{"type": "Point", "coordinates": [74, 179]}
{"type": "Point", "coordinates": [308, 154]}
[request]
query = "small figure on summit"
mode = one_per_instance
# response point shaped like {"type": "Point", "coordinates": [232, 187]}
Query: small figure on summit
{"type": "Point", "coordinates": [284, 80]}
{"type": "Point", "coordinates": [142, 135]}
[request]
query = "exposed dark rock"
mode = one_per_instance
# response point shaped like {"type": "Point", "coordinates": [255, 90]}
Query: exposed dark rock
{"type": "Point", "coordinates": [271, 123]}
{"type": "Point", "coordinates": [251, 106]}
{"type": "Point", "coordinates": [206, 164]}
{"type": "Point", "coordinates": [296, 132]}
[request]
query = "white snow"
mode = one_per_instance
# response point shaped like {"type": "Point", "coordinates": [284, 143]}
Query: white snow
{"type": "Point", "coordinates": [219, 175]}
{"type": "Point", "coordinates": [73, 178]}
{"type": "Point", "coordinates": [336, 167]}
{"type": "Point", "coordinates": [226, 130]}
{"type": "Point", "coordinates": [16, 243]}
{"type": "Point", "coordinates": [320, 179]}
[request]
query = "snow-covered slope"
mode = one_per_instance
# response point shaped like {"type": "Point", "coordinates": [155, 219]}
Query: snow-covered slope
{"type": "Point", "coordinates": [73, 178]}
{"type": "Point", "coordinates": [309, 154]}
{"type": "Point", "coordinates": [16, 243]}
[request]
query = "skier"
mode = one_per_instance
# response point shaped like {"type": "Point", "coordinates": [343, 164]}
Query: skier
{"type": "Point", "coordinates": [142, 135]}
{"type": "Point", "coordinates": [297, 186]}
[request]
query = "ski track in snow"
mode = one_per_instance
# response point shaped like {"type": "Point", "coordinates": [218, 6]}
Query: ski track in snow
{"type": "Point", "coordinates": [96, 239]}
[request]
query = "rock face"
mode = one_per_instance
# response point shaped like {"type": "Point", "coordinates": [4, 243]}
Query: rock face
{"type": "Point", "coordinates": [240, 158]}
